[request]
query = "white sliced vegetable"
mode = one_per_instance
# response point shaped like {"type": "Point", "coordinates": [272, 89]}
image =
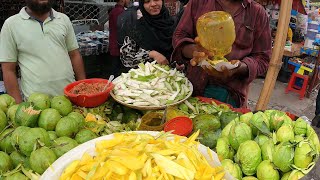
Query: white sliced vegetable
{"type": "Point", "coordinates": [147, 91]}
{"type": "Point", "coordinates": [173, 72]}
{"type": "Point", "coordinates": [147, 68]}
{"type": "Point", "coordinates": [162, 97]}
{"type": "Point", "coordinates": [155, 93]}
{"type": "Point", "coordinates": [137, 91]}
{"type": "Point", "coordinates": [161, 69]}
{"type": "Point", "coordinates": [132, 84]}
{"type": "Point", "coordinates": [164, 86]}
{"type": "Point", "coordinates": [174, 95]}
{"type": "Point", "coordinates": [179, 78]}
{"type": "Point", "coordinates": [154, 81]}
{"type": "Point", "coordinates": [127, 93]}
{"type": "Point", "coordinates": [141, 73]}
{"type": "Point", "coordinates": [141, 103]}
{"type": "Point", "coordinates": [150, 99]}
{"type": "Point", "coordinates": [190, 106]}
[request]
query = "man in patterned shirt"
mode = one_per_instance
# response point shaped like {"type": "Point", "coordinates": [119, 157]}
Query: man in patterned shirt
{"type": "Point", "coordinates": [252, 48]}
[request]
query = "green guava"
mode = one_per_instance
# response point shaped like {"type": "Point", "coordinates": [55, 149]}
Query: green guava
{"type": "Point", "coordinates": [266, 170]}
{"type": "Point", "coordinates": [16, 176]}
{"type": "Point", "coordinates": [18, 158]}
{"type": "Point", "coordinates": [3, 120]}
{"type": "Point", "coordinates": [52, 135]}
{"type": "Point", "coordinates": [239, 133]}
{"type": "Point", "coordinates": [40, 100]}
{"type": "Point", "coordinates": [233, 168]}
{"type": "Point", "coordinates": [27, 115]}
{"type": "Point", "coordinates": [5, 141]}
{"type": "Point", "coordinates": [48, 119]}
{"type": "Point", "coordinates": [5, 162]}
{"type": "Point", "coordinates": [85, 135]}
{"type": "Point", "coordinates": [285, 133]}
{"type": "Point", "coordinates": [6, 101]}
{"type": "Point", "coordinates": [78, 118]}
{"type": "Point", "coordinates": [41, 159]}
{"type": "Point", "coordinates": [249, 178]}
{"type": "Point", "coordinates": [62, 104]}
{"type": "Point", "coordinates": [67, 126]}
{"type": "Point", "coordinates": [11, 113]}
{"type": "Point", "coordinates": [62, 145]}
{"type": "Point", "coordinates": [17, 134]}
{"type": "Point", "coordinates": [261, 139]}
{"type": "Point", "coordinates": [34, 137]}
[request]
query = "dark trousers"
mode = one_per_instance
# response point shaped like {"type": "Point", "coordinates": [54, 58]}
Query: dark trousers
{"type": "Point", "coordinates": [318, 104]}
{"type": "Point", "coordinates": [316, 119]}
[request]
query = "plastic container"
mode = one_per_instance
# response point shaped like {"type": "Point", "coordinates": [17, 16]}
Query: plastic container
{"type": "Point", "coordinates": [180, 126]}
{"type": "Point", "coordinates": [90, 100]}
{"type": "Point", "coordinates": [216, 32]}
{"type": "Point", "coordinates": [151, 122]}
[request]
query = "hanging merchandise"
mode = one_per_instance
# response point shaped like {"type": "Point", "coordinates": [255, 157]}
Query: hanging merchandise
{"type": "Point", "coordinates": [302, 21]}
{"type": "Point", "coordinates": [275, 12]}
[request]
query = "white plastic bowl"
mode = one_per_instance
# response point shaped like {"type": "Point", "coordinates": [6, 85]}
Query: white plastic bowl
{"type": "Point", "coordinates": [55, 171]}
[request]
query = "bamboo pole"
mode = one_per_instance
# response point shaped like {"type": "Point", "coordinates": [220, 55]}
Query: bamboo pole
{"type": "Point", "coordinates": [277, 53]}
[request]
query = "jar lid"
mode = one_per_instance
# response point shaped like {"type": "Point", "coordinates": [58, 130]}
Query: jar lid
{"type": "Point", "coordinates": [179, 125]}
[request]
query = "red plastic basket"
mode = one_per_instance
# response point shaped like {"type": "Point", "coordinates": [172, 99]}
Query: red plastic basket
{"type": "Point", "coordinates": [89, 100]}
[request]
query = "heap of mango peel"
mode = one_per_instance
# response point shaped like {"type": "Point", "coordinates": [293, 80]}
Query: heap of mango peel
{"type": "Point", "coordinates": [131, 156]}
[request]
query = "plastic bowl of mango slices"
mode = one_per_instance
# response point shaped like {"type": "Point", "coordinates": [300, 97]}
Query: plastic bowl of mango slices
{"type": "Point", "coordinates": [139, 155]}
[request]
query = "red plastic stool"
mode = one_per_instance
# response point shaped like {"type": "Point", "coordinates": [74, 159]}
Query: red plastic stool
{"type": "Point", "coordinates": [292, 87]}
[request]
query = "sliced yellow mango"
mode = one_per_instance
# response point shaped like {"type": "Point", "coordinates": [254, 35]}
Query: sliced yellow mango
{"type": "Point", "coordinates": [173, 168]}
{"type": "Point", "coordinates": [70, 170]}
{"type": "Point", "coordinates": [90, 117]}
{"type": "Point", "coordinates": [130, 156]}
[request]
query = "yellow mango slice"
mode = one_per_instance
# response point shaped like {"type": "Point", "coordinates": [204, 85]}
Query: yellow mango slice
{"type": "Point", "coordinates": [173, 168]}
{"type": "Point", "coordinates": [70, 170]}
{"type": "Point", "coordinates": [90, 117]}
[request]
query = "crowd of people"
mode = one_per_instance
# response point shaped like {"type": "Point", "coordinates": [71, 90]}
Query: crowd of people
{"type": "Point", "coordinates": [42, 43]}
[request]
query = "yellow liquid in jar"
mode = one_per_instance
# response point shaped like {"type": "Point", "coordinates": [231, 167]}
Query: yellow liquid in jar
{"type": "Point", "coordinates": [216, 32]}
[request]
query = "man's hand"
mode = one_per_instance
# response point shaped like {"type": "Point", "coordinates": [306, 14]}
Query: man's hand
{"type": "Point", "coordinates": [161, 59]}
{"type": "Point", "coordinates": [228, 74]}
{"type": "Point", "coordinates": [200, 53]}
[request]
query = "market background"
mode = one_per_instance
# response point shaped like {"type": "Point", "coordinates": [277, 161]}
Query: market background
{"type": "Point", "coordinates": [90, 19]}
{"type": "Point", "coordinates": [91, 15]}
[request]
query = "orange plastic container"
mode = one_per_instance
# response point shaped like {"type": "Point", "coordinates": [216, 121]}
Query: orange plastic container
{"type": "Point", "coordinates": [89, 100]}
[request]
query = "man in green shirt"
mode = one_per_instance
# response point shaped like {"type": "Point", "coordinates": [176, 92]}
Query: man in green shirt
{"type": "Point", "coordinates": [42, 42]}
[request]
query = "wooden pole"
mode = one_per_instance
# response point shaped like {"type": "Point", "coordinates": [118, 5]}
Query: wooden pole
{"type": "Point", "coordinates": [277, 53]}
